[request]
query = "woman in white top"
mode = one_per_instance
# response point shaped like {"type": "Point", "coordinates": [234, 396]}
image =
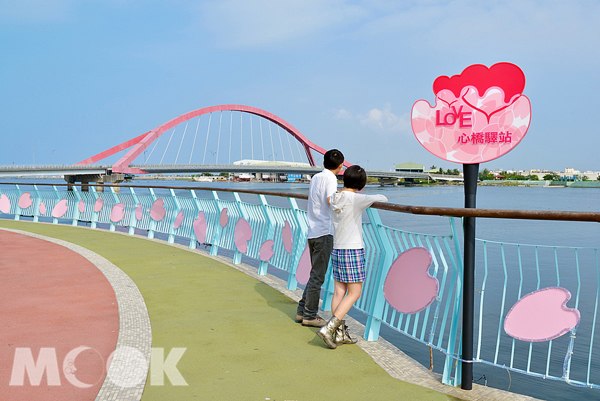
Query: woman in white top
{"type": "Point", "coordinates": [348, 256]}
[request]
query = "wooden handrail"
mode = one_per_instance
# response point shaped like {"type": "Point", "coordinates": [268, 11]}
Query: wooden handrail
{"type": "Point", "coordinates": [421, 210]}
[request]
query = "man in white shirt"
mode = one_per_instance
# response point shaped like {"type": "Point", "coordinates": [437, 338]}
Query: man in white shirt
{"type": "Point", "coordinates": [320, 236]}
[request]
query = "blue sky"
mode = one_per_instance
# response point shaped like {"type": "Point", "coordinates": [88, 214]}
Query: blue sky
{"type": "Point", "coordinates": [78, 77]}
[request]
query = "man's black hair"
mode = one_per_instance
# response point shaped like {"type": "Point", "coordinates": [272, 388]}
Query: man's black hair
{"type": "Point", "coordinates": [333, 158]}
{"type": "Point", "coordinates": [355, 177]}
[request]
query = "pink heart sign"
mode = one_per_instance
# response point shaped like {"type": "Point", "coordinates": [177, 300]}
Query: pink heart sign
{"type": "Point", "coordinates": [25, 200]}
{"type": "Point", "coordinates": [158, 211]}
{"type": "Point", "coordinates": [304, 267]}
{"type": "Point", "coordinates": [266, 250]}
{"type": "Point", "coordinates": [408, 287]}
{"type": "Point", "coordinates": [200, 227]}
{"type": "Point", "coordinates": [5, 204]}
{"type": "Point", "coordinates": [541, 315]}
{"type": "Point", "coordinates": [478, 115]}
{"type": "Point", "coordinates": [242, 234]}
{"type": "Point", "coordinates": [286, 233]}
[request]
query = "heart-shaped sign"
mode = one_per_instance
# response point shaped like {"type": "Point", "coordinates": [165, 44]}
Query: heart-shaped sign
{"type": "Point", "coordinates": [98, 205]}
{"type": "Point", "coordinates": [478, 115]}
{"type": "Point", "coordinates": [266, 250]}
{"type": "Point", "coordinates": [304, 267]}
{"type": "Point", "coordinates": [286, 233]}
{"type": "Point", "coordinates": [242, 234]}
{"type": "Point", "coordinates": [409, 287]}
{"type": "Point", "coordinates": [5, 204]}
{"type": "Point", "coordinates": [117, 213]}
{"type": "Point", "coordinates": [25, 200]}
{"type": "Point", "coordinates": [178, 220]}
{"type": "Point", "coordinates": [158, 211]}
{"type": "Point", "coordinates": [200, 227]}
{"type": "Point", "coordinates": [60, 209]}
{"type": "Point", "coordinates": [541, 315]}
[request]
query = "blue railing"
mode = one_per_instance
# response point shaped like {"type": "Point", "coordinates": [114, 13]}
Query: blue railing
{"type": "Point", "coordinates": [505, 271]}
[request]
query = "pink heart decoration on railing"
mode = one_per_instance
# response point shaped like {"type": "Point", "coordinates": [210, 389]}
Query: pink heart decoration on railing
{"type": "Point", "coordinates": [408, 286]}
{"type": "Point", "coordinates": [224, 217]}
{"type": "Point", "coordinates": [200, 228]}
{"type": "Point", "coordinates": [178, 220]}
{"type": "Point", "coordinates": [98, 205]}
{"type": "Point", "coordinates": [158, 211]}
{"type": "Point", "coordinates": [266, 250]}
{"type": "Point", "coordinates": [242, 235]}
{"type": "Point", "coordinates": [117, 213]}
{"type": "Point", "coordinates": [541, 315]}
{"type": "Point", "coordinates": [4, 204]}
{"type": "Point", "coordinates": [60, 209]}
{"type": "Point", "coordinates": [25, 200]}
{"type": "Point", "coordinates": [286, 234]}
{"type": "Point", "coordinates": [304, 267]}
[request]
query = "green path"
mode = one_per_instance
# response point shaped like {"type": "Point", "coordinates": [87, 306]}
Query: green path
{"type": "Point", "coordinates": [241, 340]}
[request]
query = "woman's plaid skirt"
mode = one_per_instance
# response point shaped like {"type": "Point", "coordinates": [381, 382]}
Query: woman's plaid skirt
{"type": "Point", "coordinates": [348, 265]}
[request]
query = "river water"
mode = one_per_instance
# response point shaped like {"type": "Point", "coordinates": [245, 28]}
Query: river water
{"type": "Point", "coordinates": [571, 234]}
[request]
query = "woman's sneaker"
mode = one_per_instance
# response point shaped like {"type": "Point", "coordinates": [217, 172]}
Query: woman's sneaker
{"type": "Point", "coordinates": [317, 322]}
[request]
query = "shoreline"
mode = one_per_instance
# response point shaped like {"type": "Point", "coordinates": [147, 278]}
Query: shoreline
{"type": "Point", "coordinates": [536, 184]}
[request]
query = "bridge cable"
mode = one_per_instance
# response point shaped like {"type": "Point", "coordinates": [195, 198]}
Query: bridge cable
{"type": "Point", "coordinates": [181, 143]}
{"type": "Point", "coordinates": [154, 147]}
{"type": "Point", "coordinates": [206, 143]}
{"type": "Point", "coordinates": [262, 143]}
{"type": "Point", "coordinates": [194, 143]}
{"type": "Point", "coordinates": [230, 129]}
{"type": "Point", "coordinates": [168, 143]}
{"type": "Point", "coordinates": [281, 144]}
{"type": "Point", "coordinates": [272, 149]}
{"type": "Point", "coordinates": [241, 138]}
{"type": "Point", "coordinates": [251, 138]}
{"type": "Point", "coordinates": [219, 140]}
{"type": "Point", "coordinates": [299, 151]}
{"type": "Point", "coordinates": [290, 146]}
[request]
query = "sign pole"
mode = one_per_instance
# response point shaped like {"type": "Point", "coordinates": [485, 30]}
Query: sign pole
{"type": "Point", "coordinates": [455, 130]}
{"type": "Point", "coordinates": [471, 172]}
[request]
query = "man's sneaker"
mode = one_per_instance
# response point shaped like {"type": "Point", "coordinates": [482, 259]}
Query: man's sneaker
{"type": "Point", "coordinates": [318, 322]}
{"type": "Point", "coordinates": [299, 318]}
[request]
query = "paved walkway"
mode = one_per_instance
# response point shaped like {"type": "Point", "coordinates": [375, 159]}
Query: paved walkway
{"type": "Point", "coordinates": [53, 298]}
{"type": "Point", "coordinates": [238, 332]}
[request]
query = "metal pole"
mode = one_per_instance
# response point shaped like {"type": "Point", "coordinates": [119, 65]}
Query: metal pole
{"type": "Point", "coordinates": [471, 175]}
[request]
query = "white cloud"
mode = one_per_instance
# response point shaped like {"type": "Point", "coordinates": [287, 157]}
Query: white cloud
{"type": "Point", "coordinates": [343, 114]}
{"type": "Point", "coordinates": [385, 120]}
{"type": "Point", "coordinates": [382, 121]}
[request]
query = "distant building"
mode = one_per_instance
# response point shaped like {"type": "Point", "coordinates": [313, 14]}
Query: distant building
{"type": "Point", "coordinates": [591, 175]}
{"type": "Point", "coordinates": [570, 173]}
{"type": "Point", "coordinates": [248, 162]}
{"type": "Point", "coordinates": [243, 176]}
{"type": "Point", "coordinates": [409, 167]}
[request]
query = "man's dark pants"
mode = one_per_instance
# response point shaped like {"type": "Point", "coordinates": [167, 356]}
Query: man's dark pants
{"type": "Point", "coordinates": [320, 251]}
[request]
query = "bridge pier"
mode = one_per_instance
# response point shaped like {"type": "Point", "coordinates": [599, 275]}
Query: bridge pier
{"type": "Point", "coordinates": [85, 179]}
{"type": "Point", "coordinates": [393, 181]}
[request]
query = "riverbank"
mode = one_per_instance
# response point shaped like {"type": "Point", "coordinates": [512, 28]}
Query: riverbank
{"type": "Point", "coordinates": [543, 183]}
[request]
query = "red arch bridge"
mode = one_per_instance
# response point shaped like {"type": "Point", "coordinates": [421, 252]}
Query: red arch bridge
{"type": "Point", "coordinates": [224, 138]}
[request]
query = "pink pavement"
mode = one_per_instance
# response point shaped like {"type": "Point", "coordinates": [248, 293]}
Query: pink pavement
{"type": "Point", "coordinates": [54, 299]}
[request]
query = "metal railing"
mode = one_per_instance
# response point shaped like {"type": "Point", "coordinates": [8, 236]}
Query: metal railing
{"type": "Point", "coordinates": [505, 271]}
